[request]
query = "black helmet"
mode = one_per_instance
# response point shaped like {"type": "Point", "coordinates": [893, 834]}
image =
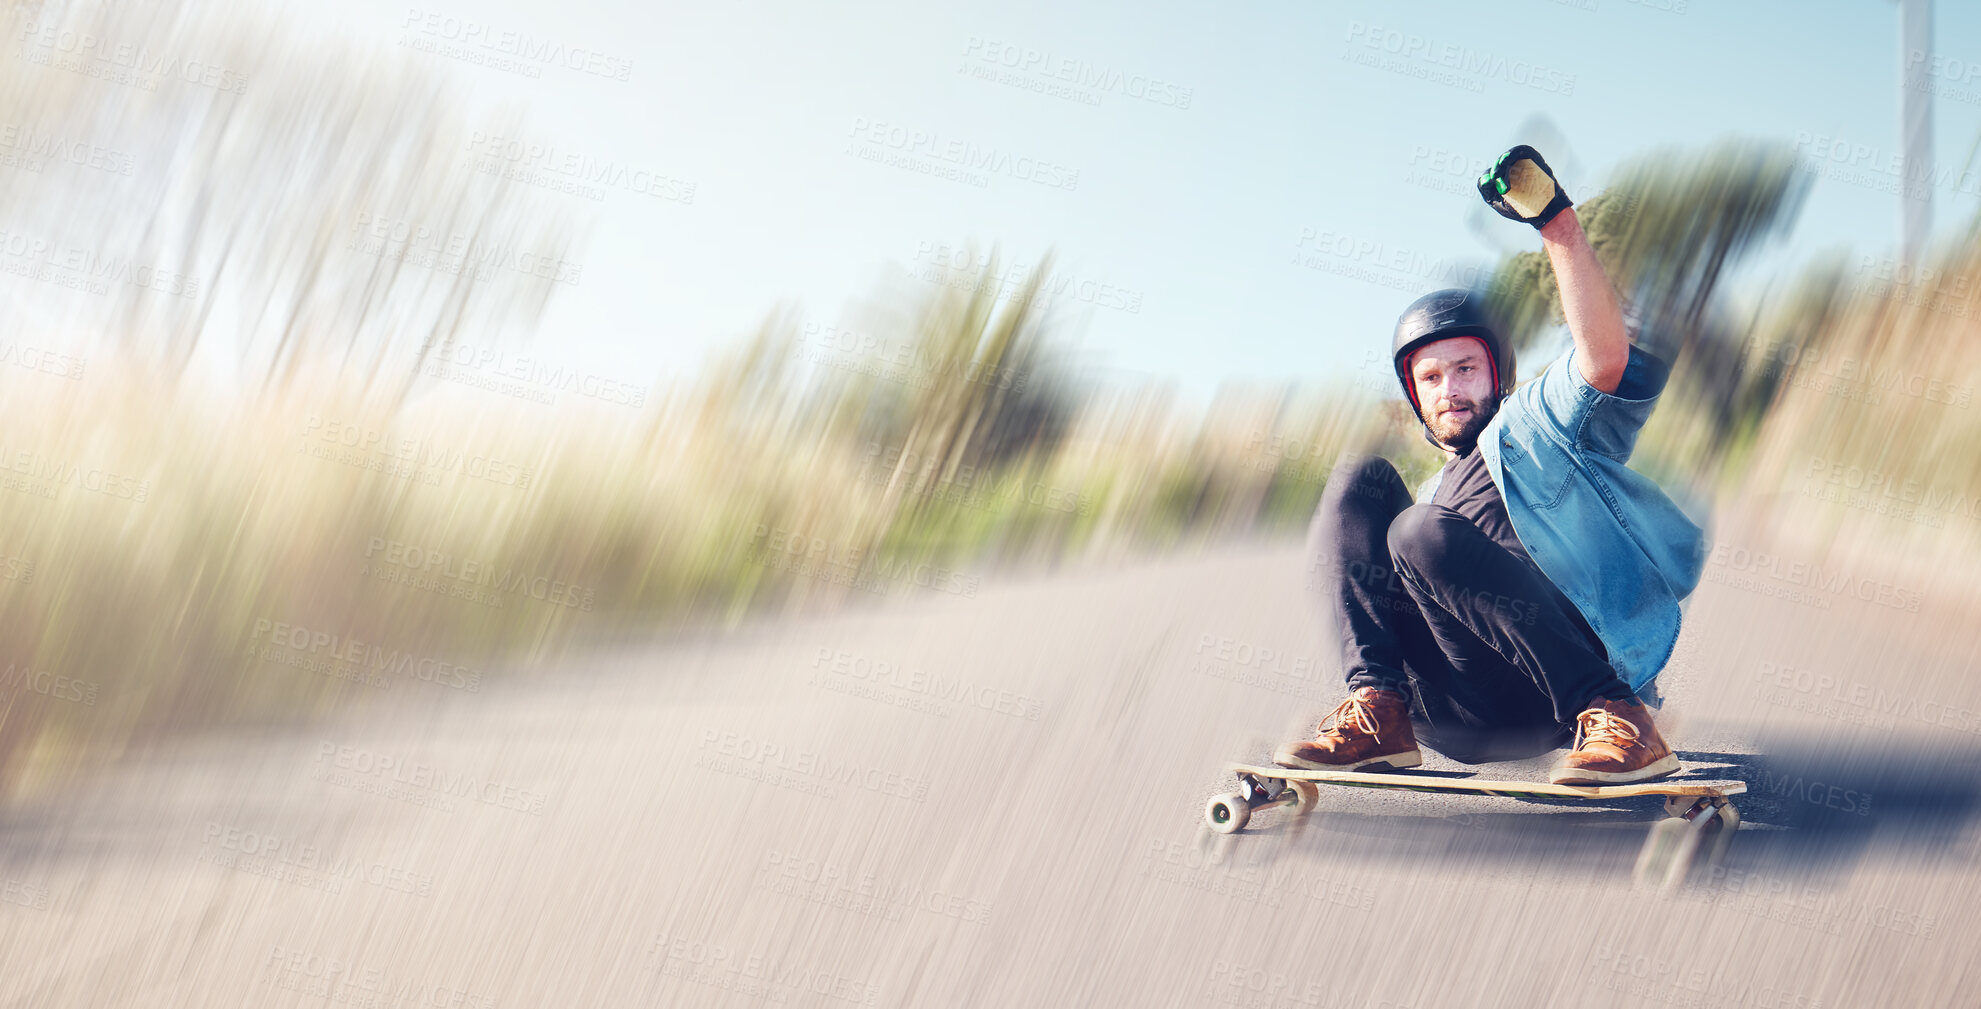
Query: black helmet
{"type": "Point", "coordinates": [1442, 314]}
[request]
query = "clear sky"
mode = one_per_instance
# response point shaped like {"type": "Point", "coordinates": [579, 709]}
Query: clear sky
{"type": "Point", "coordinates": [813, 135]}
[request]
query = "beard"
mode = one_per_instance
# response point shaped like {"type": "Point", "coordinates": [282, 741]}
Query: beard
{"type": "Point", "coordinates": [1462, 434]}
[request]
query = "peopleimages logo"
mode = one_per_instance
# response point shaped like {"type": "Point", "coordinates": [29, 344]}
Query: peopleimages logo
{"type": "Point", "coordinates": [1886, 493]}
{"type": "Point", "coordinates": [479, 37]}
{"type": "Point", "coordinates": [546, 164]}
{"type": "Point", "coordinates": [90, 269]}
{"type": "Point", "coordinates": [48, 362]}
{"type": "Point", "coordinates": [838, 885]}
{"type": "Point", "coordinates": [1683, 984]}
{"type": "Point", "coordinates": [1418, 56]}
{"type": "Point", "coordinates": [934, 153]}
{"type": "Point", "coordinates": [21, 894]}
{"type": "Point", "coordinates": [270, 639]}
{"type": "Point", "coordinates": [1379, 263]}
{"type": "Point", "coordinates": [37, 146]}
{"type": "Point", "coordinates": [1850, 378]}
{"type": "Point", "coordinates": [852, 666]}
{"type": "Point", "coordinates": [455, 253]}
{"type": "Point", "coordinates": [838, 563]}
{"type": "Point", "coordinates": [1839, 696]}
{"type": "Point", "coordinates": [1735, 558]}
{"type": "Point", "coordinates": [532, 375]}
{"type": "Point", "coordinates": [1949, 68]}
{"type": "Point", "coordinates": [750, 757]}
{"type": "Point", "coordinates": [17, 677]}
{"type": "Point", "coordinates": [126, 63]}
{"type": "Point", "coordinates": [754, 974]}
{"type": "Point", "coordinates": [40, 475]}
{"type": "Point", "coordinates": [422, 460]}
{"type": "Point", "coordinates": [1848, 161]}
{"type": "Point", "coordinates": [446, 568]}
{"type": "Point", "coordinates": [368, 771]}
{"type": "Point", "coordinates": [1084, 81]}
{"type": "Point", "coordinates": [342, 981]}
{"type": "Point", "coordinates": [965, 487]}
{"type": "Point", "coordinates": [294, 860]}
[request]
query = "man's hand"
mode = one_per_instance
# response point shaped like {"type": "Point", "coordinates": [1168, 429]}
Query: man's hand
{"type": "Point", "coordinates": [1521, 187]}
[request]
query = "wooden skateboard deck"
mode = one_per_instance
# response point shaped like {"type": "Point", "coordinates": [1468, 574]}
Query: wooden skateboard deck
{"type": "Point", "coordinates": [1465, 784]}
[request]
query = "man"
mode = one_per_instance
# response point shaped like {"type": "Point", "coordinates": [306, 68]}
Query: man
{"type": "Point", "coordinates": [1535, 592]}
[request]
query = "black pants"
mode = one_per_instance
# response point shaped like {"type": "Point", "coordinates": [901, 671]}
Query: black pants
{"type": "Point", "coordinates": [1496, 661]}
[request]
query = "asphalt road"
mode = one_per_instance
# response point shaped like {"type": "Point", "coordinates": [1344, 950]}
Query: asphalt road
{"type": "Point", "coordinates": [997, 801]}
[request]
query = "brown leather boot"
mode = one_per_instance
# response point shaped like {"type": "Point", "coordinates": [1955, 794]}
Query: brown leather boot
{"type": "Point", "coordinates": [1615, 743]}
{"type": "Point", "coordinates": [1371, 731]}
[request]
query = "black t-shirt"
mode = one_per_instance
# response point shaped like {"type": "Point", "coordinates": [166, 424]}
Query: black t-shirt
{"type": "Point", "coordinates": [1467, 488]}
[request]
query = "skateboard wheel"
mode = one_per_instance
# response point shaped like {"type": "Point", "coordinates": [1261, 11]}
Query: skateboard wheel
{"type": "Point", "coordinates": [1306, 795]}
{"type": "Point", "coordinates": [1685, 848]}
{"type": "Point", "coordinates": [1227, 813]}
{"type": "Point", "coordinates": [1654, 861]}
{"type": "Point", "coordinates": [1674, 843]}
{"type": "Point", "coordinates": [1723, 834]}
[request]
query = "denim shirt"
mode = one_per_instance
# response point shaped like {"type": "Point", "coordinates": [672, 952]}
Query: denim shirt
{"type": "Point", "coordinates": [1605, 534]}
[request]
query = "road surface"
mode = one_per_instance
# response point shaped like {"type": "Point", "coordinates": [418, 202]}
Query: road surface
{"type": "Point", "coordinates": [997, 801]}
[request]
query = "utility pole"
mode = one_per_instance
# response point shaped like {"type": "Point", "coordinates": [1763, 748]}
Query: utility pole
{"type": "Point", "coordinates": [1915, 127]}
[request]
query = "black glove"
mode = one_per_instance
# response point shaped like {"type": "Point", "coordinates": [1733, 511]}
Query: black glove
{"type": "Point", "coordinates": [1521, 188]}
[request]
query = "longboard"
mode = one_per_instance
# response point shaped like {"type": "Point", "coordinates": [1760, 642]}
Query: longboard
{"type": "Point", "coordinates": [1693, 806]}
{"type": "Point", "coordinates": [1431, 782]}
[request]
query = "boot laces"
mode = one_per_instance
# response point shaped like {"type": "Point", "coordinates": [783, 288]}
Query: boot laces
{"type": "Point", "coordinates": [1599, 726]}
{"type": "Point", "coordinates": [1354, 713]}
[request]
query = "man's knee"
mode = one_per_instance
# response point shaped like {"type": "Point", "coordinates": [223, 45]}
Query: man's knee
{"type": "Point", "coordinates": [1420, 536]}
{"type": "Point", "coordinates": [1362, 496]}
{"type": "Point", "coordinates": [1363, 478]}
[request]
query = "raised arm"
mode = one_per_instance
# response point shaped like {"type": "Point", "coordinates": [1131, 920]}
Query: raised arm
{"type": "Point", "coordinates": [1602, 345]}
{"type": "Point", "coordinates": [1521, 187]}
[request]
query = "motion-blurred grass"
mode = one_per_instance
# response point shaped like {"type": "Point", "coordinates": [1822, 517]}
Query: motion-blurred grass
{"type": "Point", "coordinates": [171, 537]}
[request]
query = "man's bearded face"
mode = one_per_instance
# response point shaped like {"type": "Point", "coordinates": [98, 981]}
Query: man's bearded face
{"type": "Point", "coordinates": [1453, 379]}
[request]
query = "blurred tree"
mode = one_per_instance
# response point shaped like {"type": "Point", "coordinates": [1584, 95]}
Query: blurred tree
{"type": "Point", "coordinates": [993, 393]}
{"type": "Point", "coordinates": [314, 203]}
{"type": "Point", "coordinates": [1669, 229]}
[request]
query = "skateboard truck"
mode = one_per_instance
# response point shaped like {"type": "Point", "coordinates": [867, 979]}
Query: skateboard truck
{"type": "Point", "coordinates": [1230, 812]}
